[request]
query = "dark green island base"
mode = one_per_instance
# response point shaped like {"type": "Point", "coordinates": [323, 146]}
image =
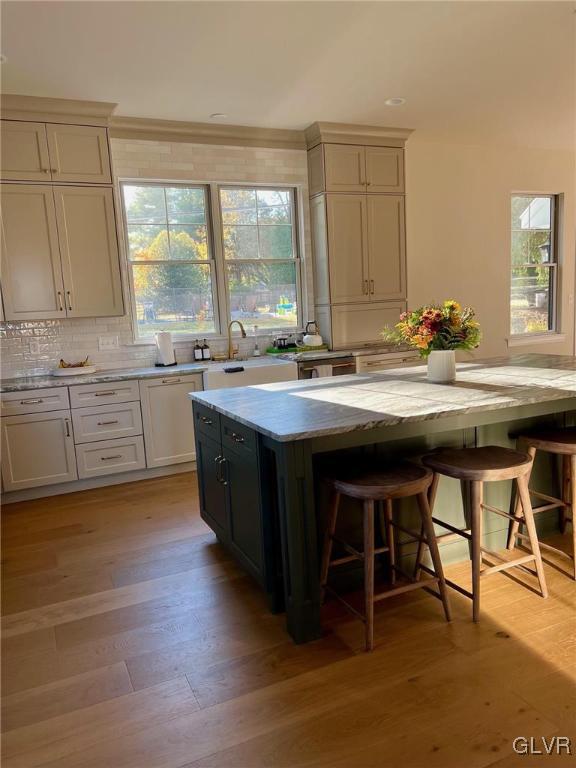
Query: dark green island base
{"type": "Point", "coordinates": [260, 451]}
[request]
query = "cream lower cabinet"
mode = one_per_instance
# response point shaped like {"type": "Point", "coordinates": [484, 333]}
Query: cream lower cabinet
{"type": "Point", "coordinates": [37, 449]}
{"type": "Point", "coordinates": [167, 419]}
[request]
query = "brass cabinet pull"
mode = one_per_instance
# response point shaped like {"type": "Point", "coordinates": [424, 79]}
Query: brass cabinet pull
{"type": "Point", "coordinates": [171, 381]}
{"type": "Point", "coordinates": [206, 420]}
{"type": "Point", "coordinates": [32, 401]}
{"type": "Point", "coordinates": [371, 286]}
{"type": "Point", "coordinates": [223, 463]}
{"type": "Point", "coordinates": [366, 290]}
{"type": "Point", "coordinates": [106, 423]}
{"type": "Point", "coordinates": [46, 170]}
{"type": "Point", "coordinates": [237, 438]}
{"type": "Point", "coordinates": [69, 299]}
{"type": "Point", "coordinates": [218, 461]}
{"type": "Point", "coordinates": [60, 305]}
{"type": "Point", "coordinates": [67, 427]}
{"type": "Point", "coordinates": [109, 458]}
{"type": "Point", "coordinates": [105, 394]}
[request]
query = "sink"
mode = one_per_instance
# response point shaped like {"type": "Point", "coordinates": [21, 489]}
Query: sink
{"type": "Point", "coordinates": [257, 370]}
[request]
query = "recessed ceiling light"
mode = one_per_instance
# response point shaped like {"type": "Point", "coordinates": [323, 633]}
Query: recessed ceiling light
{"type": "Point", "coordinates": [218, 116]}
{"type": "Point", "coordinates": [394, 102]}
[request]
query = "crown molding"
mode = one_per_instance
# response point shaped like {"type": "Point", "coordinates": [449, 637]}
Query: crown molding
{"type": "Point", "coordinates": [347, 133]}
{"type": "Point", "coordinates": [205, 133]}
{"type": "Point", "coordinates": [18, 107]}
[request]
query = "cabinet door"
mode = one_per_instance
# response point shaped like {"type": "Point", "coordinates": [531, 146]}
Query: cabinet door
{"type": "Point", "coordinates": [32, 286]}
{"type": "Point", "coordinates": [37, 449]}
{"type": "Point", "coordinates": [24, 152]}
{"type": "Point", "coordinates": [345, 168]}
{"type": "Point", "coordinates": [245, 513]}
{"type": "Point", "coordinates": [89, 248]}
{"type": "Point", "coordinates": [79, 153]}
{"type": "Point", "coordinates": [384, 169]}
{"type": "Point", "coordinates": [362, 324]}
{"type": "Point", "coordinates": [213, 509]}
{"type": "Point", "coordinates": [386, 247]}
{"type": "Point", "coordinates": [347, 248]}
{"type": "Point", "coordinates": [168, 419]}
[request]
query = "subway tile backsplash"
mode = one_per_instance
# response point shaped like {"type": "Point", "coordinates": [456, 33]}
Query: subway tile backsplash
{"type": "Point", "coordinates": [76, 338]}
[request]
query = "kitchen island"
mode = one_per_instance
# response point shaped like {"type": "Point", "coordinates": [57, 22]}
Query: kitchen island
{"type": "Point", "coordinates": [260, 451]}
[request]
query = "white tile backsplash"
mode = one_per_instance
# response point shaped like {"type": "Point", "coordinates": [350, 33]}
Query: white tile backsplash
{"type": "Point", "coordinates": [76, 338]}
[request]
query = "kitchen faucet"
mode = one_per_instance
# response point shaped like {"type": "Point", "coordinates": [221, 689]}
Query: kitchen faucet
{"type": "Point", "coordinates": [230, 346]}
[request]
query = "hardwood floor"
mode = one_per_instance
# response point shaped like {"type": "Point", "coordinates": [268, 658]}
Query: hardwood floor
{"type": "Point", "coordinates": [130, 640]}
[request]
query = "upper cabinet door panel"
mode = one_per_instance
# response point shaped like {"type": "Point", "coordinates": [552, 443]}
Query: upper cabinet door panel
{"type": "Point", "coordinates": [345, 168]}
{"type": "Point", "coordinates": [31, 273]}
{"type": "Point", "coordinates": [347, 251]}
{"type": "Point", "coordinates": [89, 248]}
{"type": "Point", "coordinates": [79, 153]}
{"type": "Point", "coordinates": [384, 169]}
{"type": "Point", "coordinates": [24, 152]}
{"type": "Point", "coordinates": [386, 247]}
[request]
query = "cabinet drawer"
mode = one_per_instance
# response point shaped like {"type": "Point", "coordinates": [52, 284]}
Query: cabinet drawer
{"type": "Point", "coordinates": [36, 401]}
{"type": "Point", "coordinates": [103, 394]}
{"type": "Point", "coordinates": [107, 457]}
{"type": "Point", "coordinates": [105, 422]}
{"type": "Point", "coordinates": [237, 436]}
{"type": "Point", "coordinates": [207, 420]}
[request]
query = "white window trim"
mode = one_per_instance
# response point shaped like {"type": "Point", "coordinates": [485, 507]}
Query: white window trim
{"type": "Point", "coordinates": [554, 334]}
{"type": "Point", "coordinates": [215, 239]}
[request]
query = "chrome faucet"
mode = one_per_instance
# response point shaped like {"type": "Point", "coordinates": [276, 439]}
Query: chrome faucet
{"type": "Point", "coordinates": [231, 351]}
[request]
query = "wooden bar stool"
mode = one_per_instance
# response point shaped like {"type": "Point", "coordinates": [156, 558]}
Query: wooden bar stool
{"type": "Point", "coordinates": [373, 483]}
{"type": "Point", "coordinates": [474, 467]}
{"type": "Point", "coordinates": [562, 443]}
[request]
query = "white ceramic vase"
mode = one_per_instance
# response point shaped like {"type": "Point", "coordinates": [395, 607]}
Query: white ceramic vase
{"type": "Point", "coordinates": [442, 366]}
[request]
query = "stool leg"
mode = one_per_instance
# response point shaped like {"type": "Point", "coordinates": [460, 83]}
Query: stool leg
{"type": "Point", "coordinates": [476, 528]}
{"type": "Point", "coordinates": [428, 526]}
{"type": "Point", "coordinates": [573, 506]}
{"type": "Point", "coordinates": [566, 490]}
{"type": "Point", "coordinates": [390, 542]}
{"type": "Point", "coordinates": [522, 483]}
{"type": "Point", "coordinates": [431, 500]}
{"type": "Point", "coordinates": [327, 548]}
{"type": "Point", "coordinates": [369, 572]}
{"type": "Point", "coordinates": [514, 525]}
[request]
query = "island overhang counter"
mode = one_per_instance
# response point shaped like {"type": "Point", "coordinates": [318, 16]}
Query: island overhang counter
{"type": "Point", "coordinates": [259, 449]}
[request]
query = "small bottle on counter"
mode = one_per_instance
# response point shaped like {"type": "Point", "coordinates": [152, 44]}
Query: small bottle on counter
{"type": "Point", "coordinates": [198, 355]}
{"type": "Point", "coordinates": [256, 352]}
{"type": "Point", "coordinates": [206, 351]}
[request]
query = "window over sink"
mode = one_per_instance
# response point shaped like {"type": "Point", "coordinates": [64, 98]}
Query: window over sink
{"type": "Point", "coordinates": [198, 253]}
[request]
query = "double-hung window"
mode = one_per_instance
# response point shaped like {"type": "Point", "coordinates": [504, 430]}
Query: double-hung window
{"type": "Point", "coordinates": [534, 264]}
{"type": "Point", "coordinates": [169, 258]}
{"type": "Point", "coordinates": [260, 255]}
{"type": "Point", "coordinates": [175, 272]}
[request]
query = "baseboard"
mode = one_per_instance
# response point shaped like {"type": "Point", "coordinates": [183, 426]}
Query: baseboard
{"type": "Point", "coordinates": [96, 482]}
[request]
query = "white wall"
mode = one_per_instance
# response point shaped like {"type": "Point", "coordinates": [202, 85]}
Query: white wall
{"type": "Point", "coordinates": [458, 229]}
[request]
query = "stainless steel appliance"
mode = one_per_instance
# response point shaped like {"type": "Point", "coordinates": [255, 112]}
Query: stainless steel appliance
{"type": "Point", "coordinates": [341, 366]}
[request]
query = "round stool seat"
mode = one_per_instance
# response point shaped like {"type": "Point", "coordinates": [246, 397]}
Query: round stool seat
{"type": "Point", "coordinates": [562, 441]}
{"type": "Point", "coordinates": [491, 462]}
{"type": "Point", "coordinates": [372, 480]}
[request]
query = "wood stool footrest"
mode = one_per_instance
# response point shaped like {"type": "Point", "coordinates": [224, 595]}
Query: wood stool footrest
{"type": "Point", "coordinates": [404, 588]}
{"type": "Point", "coordinates": [501, 512]}
{"type": "Point", "coordinates": [507, 564]}
{"type": "Point", "coordinates": [548, 547]}
{"type": "Point", "coordinates": [465, 532]}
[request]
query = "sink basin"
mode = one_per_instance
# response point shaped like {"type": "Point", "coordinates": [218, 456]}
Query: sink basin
{"type": "Point", "coordinates": [258, 370]}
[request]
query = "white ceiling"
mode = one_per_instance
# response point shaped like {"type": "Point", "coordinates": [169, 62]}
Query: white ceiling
{"type": "Point", "coordinates": [501, 71]}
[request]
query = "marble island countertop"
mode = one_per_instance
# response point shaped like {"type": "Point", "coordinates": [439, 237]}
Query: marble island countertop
{"type": "Point", "coordinates": [298, 410]}
{"type": "Point", "coordinates": [24, 383]}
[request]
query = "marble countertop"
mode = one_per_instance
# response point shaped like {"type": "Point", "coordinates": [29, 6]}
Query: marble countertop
{"type": "Point", "coordinates": [298, 410]}
{"type": "Point", "coordinates": [329, 354]}
{"type": "Point", "coordinates": [23, 383]}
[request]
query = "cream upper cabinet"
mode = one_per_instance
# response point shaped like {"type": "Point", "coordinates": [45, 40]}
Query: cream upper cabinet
{"type": "Point", "coordinates": [384, 169]}
{"type": "Point", "coordinates": [37, 449]}
{"type": "Point", "coordinates": [79, 153]}
{"type": "Point", "coordinates": [32, 285]}
{"type": "Point", "coordinates": [89, 251]}
{"type": "Point", "coordinates": [386, 247]}
{"type": "Point", "coordinates": [344, 168]}
{"type": "Point", "coordinates": [356, 325]}
{"type": "Point", "coordinates": [168, 420]}
{"type": "Point", "coordinates": [347, 247]}
{"type": "Point", "coordinates": [24, 151]}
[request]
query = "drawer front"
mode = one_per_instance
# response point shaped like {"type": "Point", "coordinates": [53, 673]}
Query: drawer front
{"type": "Point", "coordinates": [106, 422]}
{"type": "Point", "coordinates": [104, 394]}
{"type": "Point", "coordinates": [207, 420]}
{"type": "Point", "coordinates": [36, 401]}
{"type": "Point", "coordinates": [108, 457]}
{"type": "Point", "coordinates": [237, 437]}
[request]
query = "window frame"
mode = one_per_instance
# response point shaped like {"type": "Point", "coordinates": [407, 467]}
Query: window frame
{"type": "Point", "coordinates": [296, 260]}
{"type": "Point", "coordinates": [553, 265]}
{"type": "Point", "coordinates": [217, 262]}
